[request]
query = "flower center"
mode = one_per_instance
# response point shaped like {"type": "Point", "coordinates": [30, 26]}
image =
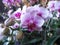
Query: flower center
{"type": "Point", "coordinates": [31, 26]}
{"type": "Point", "coordinates": [39, 14]}
{"type": "Point", "coordinates": [59, 10]}
{"type": "Point", "coordinates": [18, 15]}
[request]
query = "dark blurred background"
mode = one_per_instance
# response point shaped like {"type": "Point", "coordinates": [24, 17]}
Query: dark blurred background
{"type": "Point", "coordinates": [1, 7]}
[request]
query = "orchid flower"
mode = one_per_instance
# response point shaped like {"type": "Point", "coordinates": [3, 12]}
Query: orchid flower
{"type": "Point", "coordinates": [11, 2]}
{"type": "Point", "coordinates": [54, 6]}
{"type": "Point", "coordinates": [17, 14]}
{"type": "Point", "coordinates": [34, 17]}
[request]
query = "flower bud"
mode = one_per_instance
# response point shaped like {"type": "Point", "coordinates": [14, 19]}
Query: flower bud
{"type": "Point", "coordinates": [6, 31]}
{"type": "Point", "coordinates": [9, 22]}
{"type": "Point", "coordinates": [19, 35]}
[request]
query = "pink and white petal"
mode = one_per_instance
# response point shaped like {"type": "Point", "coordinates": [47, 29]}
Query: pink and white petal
{"type": "Point", "coordinates": [50, 15]}
{"type": "Point", "coordinates": [44, 12]}
{"type": "Point", "coordinates": [58, 5]}
{"type": "Point", "coordinates": [9, 13]}
{"type": "Point", "coordinates": [4, 1]}
{"type": "Point", "coordinates": [40, 22]}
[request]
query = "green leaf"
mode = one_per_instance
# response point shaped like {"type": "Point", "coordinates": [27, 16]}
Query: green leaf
{"type": "Point", "coordinates": [52, 40]}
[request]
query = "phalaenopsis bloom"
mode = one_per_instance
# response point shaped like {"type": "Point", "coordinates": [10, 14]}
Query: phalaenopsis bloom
{"type": "Point", "coordinates": [8, 2]}
{"type": "Point", "coordinates": [54, 6]}
{"type": "Point", "coordinates": [11, 2]}
{"type": "Point", "coordinates": [34, 18]}
{"type": "Point", "coordinates": [17, 14]}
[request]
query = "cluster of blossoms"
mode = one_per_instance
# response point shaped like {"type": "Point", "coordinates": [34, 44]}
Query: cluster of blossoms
{"type": "Point", "coordinates": [31, 18]}
{"type": "Point", "coordinates": [11, 2]}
